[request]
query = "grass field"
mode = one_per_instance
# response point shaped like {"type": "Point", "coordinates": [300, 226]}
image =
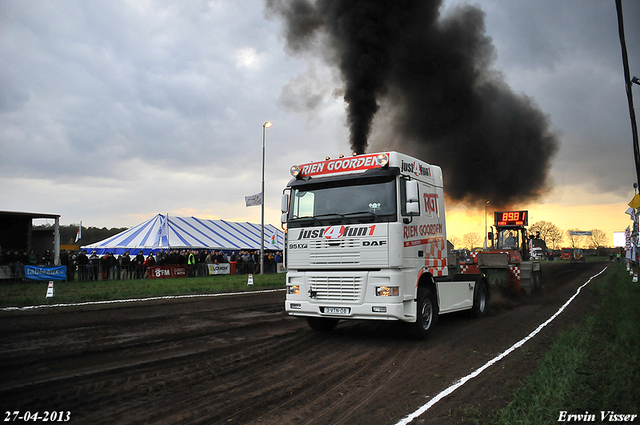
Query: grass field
{"type": "Point", "coordinates": [34, 293]}
{"type": "Point", "coordinates": [590, 369]}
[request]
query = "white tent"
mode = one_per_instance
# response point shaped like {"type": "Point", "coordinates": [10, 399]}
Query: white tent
{"type": "Point", "coordinates": [173, 232]}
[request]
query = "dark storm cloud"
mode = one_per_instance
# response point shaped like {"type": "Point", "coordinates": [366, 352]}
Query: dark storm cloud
{"type": "Point", "coordinates": [433, 76]}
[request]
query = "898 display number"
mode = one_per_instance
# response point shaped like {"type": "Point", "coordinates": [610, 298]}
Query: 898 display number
{"type": "Point", "coordinates": [46, 416]}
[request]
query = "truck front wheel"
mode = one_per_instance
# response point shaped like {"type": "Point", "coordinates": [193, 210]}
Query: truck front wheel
{"type": "Point", "coordinates": [480, 299]}
{"type": "Point", "coordinates": [427, 313]}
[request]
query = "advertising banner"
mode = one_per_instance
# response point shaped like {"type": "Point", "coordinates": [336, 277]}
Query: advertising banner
{"type": "Point", "coordinates": [164, 272]}
{"type": "Point", "coordinates": [222, 268]}
{"type": "Point", "coordinates": [45, 273]}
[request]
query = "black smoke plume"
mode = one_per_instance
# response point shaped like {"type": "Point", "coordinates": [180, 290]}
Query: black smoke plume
{"type": "Point", "coordinates": [432, 77]}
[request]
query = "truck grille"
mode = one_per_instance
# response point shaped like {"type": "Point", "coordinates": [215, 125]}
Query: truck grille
{"type": "Point", "coordinates": [345, 252]}
{"type": "Point", "coordinates": [336, 288]}
{"type": "Point", "coordinates": [335, 258]}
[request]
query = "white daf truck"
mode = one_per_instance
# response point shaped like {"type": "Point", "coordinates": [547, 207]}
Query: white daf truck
{"type": "Point", "coordinates": [366, 239]}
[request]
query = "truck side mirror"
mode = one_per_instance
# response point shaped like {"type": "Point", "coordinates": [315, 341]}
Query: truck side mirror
{"type": "Point", "coordinates": [284, 203]}
{"type": "Point", "coordinates": [412, 205]}
{"type": "Point", "coordinates": [284, 206]}
{"type": "Point", "coordinates": [413, 208]}
{"type": "Point", "coordinates": [411, 187]}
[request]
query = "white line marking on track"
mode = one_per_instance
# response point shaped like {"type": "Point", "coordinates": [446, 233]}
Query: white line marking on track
{"type": "Point", "coordinates": [167, 297]}
{"type": "Point", "coordinates": [406, 420]}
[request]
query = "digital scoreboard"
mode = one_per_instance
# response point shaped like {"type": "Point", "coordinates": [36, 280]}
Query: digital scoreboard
{"type": "Point", "coordinates": [512, 218]}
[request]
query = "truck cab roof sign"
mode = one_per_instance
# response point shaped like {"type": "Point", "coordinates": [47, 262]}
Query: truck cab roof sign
{"type": "Point", "coordinates": [340, 165]}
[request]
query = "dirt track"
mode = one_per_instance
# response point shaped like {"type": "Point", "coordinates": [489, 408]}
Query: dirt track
{"type": "Point", "coordinates": [240, 359]}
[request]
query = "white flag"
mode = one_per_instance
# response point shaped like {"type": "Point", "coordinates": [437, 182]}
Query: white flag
{"type": "Point", "coordinates": [253, 200]}
{"type": "Point", "coordinates": [162, 231]}
{"type": "Point", "coordinates": [79, 234]}
{"type": "Point", "coordinates": [632, 213]}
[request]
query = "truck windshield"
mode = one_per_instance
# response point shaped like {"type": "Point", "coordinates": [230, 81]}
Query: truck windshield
{"type": "Point", "coordinates": [361, 201]}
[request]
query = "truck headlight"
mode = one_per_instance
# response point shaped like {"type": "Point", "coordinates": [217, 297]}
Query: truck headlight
{"type": "Point", "coordinates": [295, 170]}
{"type": "Point", "coordinates": [387, 291]}
{"type": "Point", "coordinates": [293, 290]}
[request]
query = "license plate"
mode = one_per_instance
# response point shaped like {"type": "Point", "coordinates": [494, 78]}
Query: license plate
{"type": "Point", "coordinates": [336, 310]}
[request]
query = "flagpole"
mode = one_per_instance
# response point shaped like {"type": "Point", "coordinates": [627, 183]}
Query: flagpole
{"type": "Point", "coordinates": [264, 137]}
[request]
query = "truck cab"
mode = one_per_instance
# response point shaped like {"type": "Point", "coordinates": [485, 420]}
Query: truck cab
{"type": "Point", "coordinates": [366, 239]}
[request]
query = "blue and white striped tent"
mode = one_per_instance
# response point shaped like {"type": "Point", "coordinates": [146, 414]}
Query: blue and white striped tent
{"type": "Point", "coordinates": [173, 232]}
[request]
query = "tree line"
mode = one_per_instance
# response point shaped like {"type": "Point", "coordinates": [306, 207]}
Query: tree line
{"type": "Point", "coordinates": [89, 234]}
{"type": "Point", "coordinates": [552, 235]}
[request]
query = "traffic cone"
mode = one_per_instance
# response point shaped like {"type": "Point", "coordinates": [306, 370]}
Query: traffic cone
{"type": "Point", "coordinates": [50, 290]}
{"type": "Point", "coordinates": [250, 282]}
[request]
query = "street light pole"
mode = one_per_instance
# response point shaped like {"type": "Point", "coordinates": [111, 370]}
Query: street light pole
{"type": "Point", "coordinates": [264, 139]}
{"type": "Point", "coordinates": [485, 225]}
{"type": "Point", "coordinates": [628, 82]}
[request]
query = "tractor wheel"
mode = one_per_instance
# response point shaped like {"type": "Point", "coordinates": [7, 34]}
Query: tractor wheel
{"type": "Point", "coordinates": [537, 281]}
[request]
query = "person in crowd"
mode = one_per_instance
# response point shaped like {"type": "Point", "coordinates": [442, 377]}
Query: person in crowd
{"type": "Point", "coordinates": [115, 267]}
{"type": "Point", "coordinates": [210, 257]}
{"type": "Point", "coordinates": [47, 258]}
{"type": "Point", "coordinates": [201, 260]}
{"type": "Point", "coordinates": [240, 267]}
{"type": "Point", "coordinates": [105, 266]}
{"type": "Point", "coordinates": [65, 262]}
{"type": "Point", "coordinates": [269, 263]}
{"type": "Point", "coordinates": [94, 263]}
{"type": "Point", "coordinates": [125, 266]}
{"type": "Point", "coordinates": [182, 257]}
{"type": "Point", "coordinates": [9, 260]}
{"type": "Point", "coordinates": [19, 260]}
{"type": "Point", "coordinates": [255, 257]}
{"type": "Point", "coordinates": [191, 262]}
{"type": "Point", "coordinates": [5, 259]}
{"type": "Point", "coordinates": [149, 262]}
{"type": "Point", "coordinates": [83, 261]}
{"type": "Point", "coordinates": [139, 265]}
{"type": "Point", "coordinates": [33, 258]}
{"type": "Point", "coordinates": [161, 258]}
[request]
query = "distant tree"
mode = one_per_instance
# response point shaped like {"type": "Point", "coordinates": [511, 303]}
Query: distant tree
{"type": "Point", "coordinates": [575, 241]}
{"type": "Point", "coordinates": [598, 238]}
{"type": "Point", "coordinates": [455, 241]}
{"type": "Point", "coordinates": [555, 238]}
{"type": "Point", "coordinates": [549, 233]}
{"type": "Point", "coordinates": [471, 240]}
{"type": "Point", "coordinates": [89, 234]}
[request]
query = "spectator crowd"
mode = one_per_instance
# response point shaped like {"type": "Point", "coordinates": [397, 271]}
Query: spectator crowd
{"type": "Point", "coordinates": [82, 266]}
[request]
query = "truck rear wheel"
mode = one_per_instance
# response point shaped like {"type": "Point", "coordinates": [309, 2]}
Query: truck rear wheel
{"type": "Point", "coordinates": [427, 313]}
{"type": "Point", "coordinates": [322, 324]}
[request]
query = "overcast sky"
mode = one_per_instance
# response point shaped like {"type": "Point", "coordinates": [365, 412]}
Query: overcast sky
{"type": "Point", "coordinates": [112, 112]}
